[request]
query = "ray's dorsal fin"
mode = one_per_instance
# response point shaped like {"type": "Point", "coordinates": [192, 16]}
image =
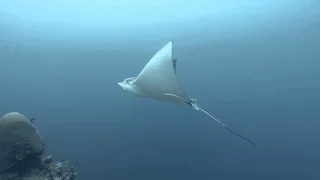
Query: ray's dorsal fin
{"type": "Point", "coordinates": [174, 64]}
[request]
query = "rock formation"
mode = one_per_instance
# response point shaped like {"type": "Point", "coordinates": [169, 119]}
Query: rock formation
{"type": "Point", "coordinates": [18, 139]}
{"type": "Point", "coordinates": [21, 148]}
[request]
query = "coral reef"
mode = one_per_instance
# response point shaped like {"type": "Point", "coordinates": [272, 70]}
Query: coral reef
{"type": "Point", "coordinates": [21, 150]}
{"type": "Point", "coordinates": [18, 139]}
{"type": "Point", "coordinates": [39, 168]}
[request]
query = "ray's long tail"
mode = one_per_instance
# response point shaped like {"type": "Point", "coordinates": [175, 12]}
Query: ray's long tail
{"type": "Point", "coordinates": [199, 108]}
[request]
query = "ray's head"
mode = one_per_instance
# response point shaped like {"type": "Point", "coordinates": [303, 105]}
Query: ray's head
{"type": "Point", "coordinates": [129, 87]}
{"type": "Point", "coordinates": [124, 86]}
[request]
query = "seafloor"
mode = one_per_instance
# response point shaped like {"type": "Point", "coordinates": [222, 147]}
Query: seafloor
{"type": "Point", "coordinates": [40, 168]}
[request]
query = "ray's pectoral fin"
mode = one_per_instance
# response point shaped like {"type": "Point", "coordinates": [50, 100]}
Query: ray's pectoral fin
{"type": "Point", "coordinates": [190, 102]}
{"type": "Point", "coordinates": [174, 96]}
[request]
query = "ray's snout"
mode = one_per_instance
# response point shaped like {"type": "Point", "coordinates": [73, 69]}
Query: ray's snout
{"type": "Point", "coordinates": [120, 84]}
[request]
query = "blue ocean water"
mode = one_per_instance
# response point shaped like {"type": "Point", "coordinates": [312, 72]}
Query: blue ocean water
{"type": "Point", "coordinates": [254, 65]}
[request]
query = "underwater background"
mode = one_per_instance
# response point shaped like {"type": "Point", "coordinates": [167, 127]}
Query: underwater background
{"type": "Point", "coordinates": [252, 64]}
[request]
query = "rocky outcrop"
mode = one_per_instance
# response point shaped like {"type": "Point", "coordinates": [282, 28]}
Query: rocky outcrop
{"type": "Point", "coordinates": [40, 168]}
{"type": "Point", "coordinates": [18, 139]}
{"type": "Point", "coordinates": [21, 150]}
